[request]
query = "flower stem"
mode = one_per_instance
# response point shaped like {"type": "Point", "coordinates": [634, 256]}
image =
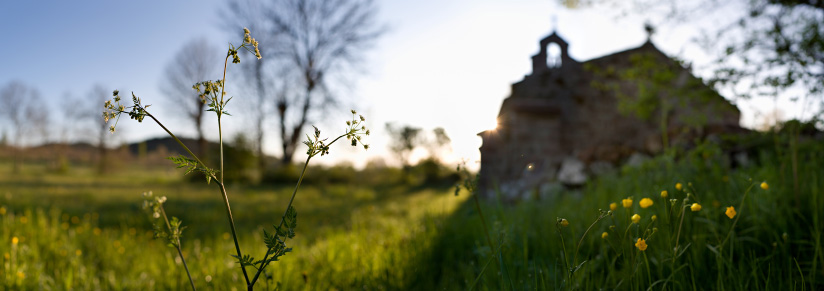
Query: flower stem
{"type": "Point", "coordinates": [177, 245]}
{"type": "Point", "coordinates": [220, 185]}
{"type": "Point", "coordinates": [282, 220]}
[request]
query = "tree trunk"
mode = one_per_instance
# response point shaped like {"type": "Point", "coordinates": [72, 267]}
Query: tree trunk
{"type": "Point", "coordinates": [202, 145]}
{"type": "Point", "coordinates": [284, 140]}
{"type": "Point", "coordinates": [260, 117]}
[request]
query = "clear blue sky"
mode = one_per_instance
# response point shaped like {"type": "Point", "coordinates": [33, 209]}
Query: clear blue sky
{"type": "Point", "coordinates": [442, 63]}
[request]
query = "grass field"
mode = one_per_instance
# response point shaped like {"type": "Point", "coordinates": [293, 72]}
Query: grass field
{"type": "Point", "coordinates": [83, 231]}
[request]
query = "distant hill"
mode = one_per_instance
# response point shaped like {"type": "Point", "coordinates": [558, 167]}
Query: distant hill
{"type": "Point", "coordinates": [170, 146]}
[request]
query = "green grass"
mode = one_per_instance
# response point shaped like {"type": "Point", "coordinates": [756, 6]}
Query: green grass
{"type": "Point", "coordinates": [81, 231]}
{"type": "Point", "coordinates": [775, 245]}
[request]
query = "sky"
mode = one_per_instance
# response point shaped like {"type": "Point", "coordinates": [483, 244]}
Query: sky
{"type": "Point", "coordinates": [443, 64]}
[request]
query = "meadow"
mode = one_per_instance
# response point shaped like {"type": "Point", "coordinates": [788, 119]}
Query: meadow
{"type": "Point", "coordinates": [82, 230]}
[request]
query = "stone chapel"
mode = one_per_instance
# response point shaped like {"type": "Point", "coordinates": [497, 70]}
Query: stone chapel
{"type": "Point", "coordinates": [562, 122]}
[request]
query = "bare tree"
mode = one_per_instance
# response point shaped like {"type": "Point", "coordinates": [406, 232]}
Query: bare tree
{"type": "Point", "coordinates": [93, 128]}
{"type": "Point", "coordinates": [22, 107]}
{"type": "Point", "coordinates": [197, 61]}
{"type": "Point", "coordinates": [307, 44]}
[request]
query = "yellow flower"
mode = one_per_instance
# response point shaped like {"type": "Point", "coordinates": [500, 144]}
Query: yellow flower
{"type": "Point", "coordinates": [636, 218]}
{"type": "Point", "coordinates": [765, 186]}
{"type": "Point", "coordinates": [613, 206]}
{"type": "Point", "coordinates": [654, 217]}
{"type": "Point", "coordinates": [641, 244]}
{"type": "Point", "coordinates": [695, 207]}
{"type": "Point", "coordinates": [627, 202]}
{"type": "Point", "coordinates": [664, 194]}
{"type": "Point", "coordinates": [564, 222]}
{"type": "Point", "coordinates": [730, 212]}
{"type": "Point", "coordinates": [78, 252]}
{"type": "Point", "coordinates": [604, 235]}
{"type": "Point", "coordinates": [2, 210]}
{"type": "Point", "coordinates": [646, 202]}
{"type": "Point", "coordinates": [21, 275]}
{"type": "Point", "coordinates": [678, 186]}
{"type": "Point", "coordinates": [14, 240]}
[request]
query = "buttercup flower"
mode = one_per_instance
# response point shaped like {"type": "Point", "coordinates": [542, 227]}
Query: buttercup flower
{"type": "Point", "coordinates": [678, 186]}
{"type": "Point", "coordinates": [730, 212]}
{"type": "Point", "coordinates": [14, 240]}
{"type": "Point", "coordinates": [636, 218]}
{"type": "Point", "coordinates": [664, 194]}
{"type": "Point", "coordinates": [765, 186]}
{"type": "Point", "coordinates": [646, 202]}
{"type": "Point", "coordinates": [695, 207]}
{"type": "Point", "coordinates": [654, 217]}
{"type": "Point", "coordinates": [604, 235]}
{"type": "Point", "coordinates": [564, 222]}
{"type": "Point", "coordinates": [627, 202]}
{"type": "Point", "coordinates": [641, 244]}
{"type": "Point", "coordinates": [613, 206]}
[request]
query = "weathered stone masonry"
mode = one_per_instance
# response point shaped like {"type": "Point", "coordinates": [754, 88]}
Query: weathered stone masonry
{"type": "Point", "coordinates": [556, 127]}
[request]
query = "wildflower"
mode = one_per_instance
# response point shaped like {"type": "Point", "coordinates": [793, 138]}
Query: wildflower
{"type": "Point", "coordinates": [14, 241]}
{"type": "Point", "coordinates": [604, 235]}
{"type": "Point", "coordinates": [564, 222]}
{"type": "Point", "coordinates": [21, 275]}
{"type": "Point", "coordinates": [613, 206]}
{"type": "Point", "coordinates": [78, 252]}
{"type": "Point", "coordinates": [664, 194]}
{"type": "Point", "coordinates": [695, 207]}
{"type": "Point", "coordinates": [627, 202]}
{"type": "Point", "coordinates": [678, 186]}
{"type": "Point", "coordinates": [641, 244]}
{"type": "Point", "coordinates": [2, 210]}
{"type": "Point", "coordinates": [646, 202]}
{"type": "Point", "coordinates": [636, 218]}
{"type": "Point", "coordinates": [730, 212]}
{"type": "Point", "coordinates": [765, 186]}
{"type": "Point", "coordinates": [654, 217]}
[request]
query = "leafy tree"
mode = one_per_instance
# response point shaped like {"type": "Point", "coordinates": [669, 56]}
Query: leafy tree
{"type": "Point", "coordinates": [404, 140]}
{"type": "Point", "coordinates": [765, 48]}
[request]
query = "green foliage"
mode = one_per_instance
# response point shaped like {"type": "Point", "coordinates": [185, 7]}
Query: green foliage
{"type": "Point", "coordinates": [192, 165]}
{"type": "Point", "coordinates": [684, 248]}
